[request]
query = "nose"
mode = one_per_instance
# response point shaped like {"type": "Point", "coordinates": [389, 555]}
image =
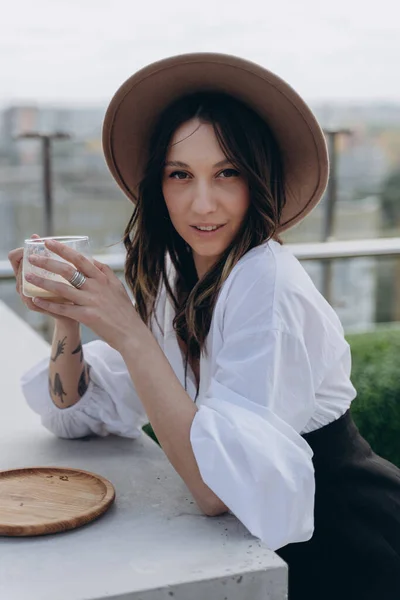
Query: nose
{"type": "Point", "coordinates": [204, 200]}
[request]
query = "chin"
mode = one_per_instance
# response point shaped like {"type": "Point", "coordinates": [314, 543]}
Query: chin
{"type": "Point", "coordinates": [210, 251]}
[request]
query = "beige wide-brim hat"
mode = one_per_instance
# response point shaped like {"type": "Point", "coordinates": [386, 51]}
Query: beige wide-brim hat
{"type": "Point", "coordinates": [137, 104]}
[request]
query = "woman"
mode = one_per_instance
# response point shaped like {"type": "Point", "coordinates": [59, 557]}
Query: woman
{"type": "Point", "coordinates": [230, 352]}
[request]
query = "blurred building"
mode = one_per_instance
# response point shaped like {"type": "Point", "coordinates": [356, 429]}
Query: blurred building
{"type": "Point", "coordinates": [83, 124]}
{"type": "Point", "coordinates": [354, 281]}
{"type": "Point", "coordinates": [363, 166]}
{"type": "Point", "coordinates": [16, 121]}
{"type": "Point", "coordinates": [88, 201]}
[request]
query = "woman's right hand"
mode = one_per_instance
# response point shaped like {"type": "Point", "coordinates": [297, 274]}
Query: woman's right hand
{"type": "Point", "coordinates": [15, 257]}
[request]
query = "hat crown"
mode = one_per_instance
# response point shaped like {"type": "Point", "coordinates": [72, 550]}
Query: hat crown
{"type": "Point", "coordinates": [137, 104]}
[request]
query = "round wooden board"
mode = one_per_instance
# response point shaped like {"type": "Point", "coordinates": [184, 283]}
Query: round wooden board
{"type": "Point", "coordinates": [42, 500]}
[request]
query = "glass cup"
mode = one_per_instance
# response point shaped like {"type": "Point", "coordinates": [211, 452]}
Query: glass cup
{"type": "Point", "coordinates": [80, 243]}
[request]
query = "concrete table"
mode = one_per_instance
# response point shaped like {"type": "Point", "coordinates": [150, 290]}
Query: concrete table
{"type": "Point", "coordinates": [153, 544]}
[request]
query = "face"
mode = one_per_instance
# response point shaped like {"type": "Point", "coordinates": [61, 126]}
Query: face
{"type": "Point", "coordinates": [202, 189]}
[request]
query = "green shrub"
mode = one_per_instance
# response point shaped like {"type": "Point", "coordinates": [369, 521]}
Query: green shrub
{"type": "Point", "coordinates": [149, 431]}
{"type": "Point", "coordinates": [376, 377]}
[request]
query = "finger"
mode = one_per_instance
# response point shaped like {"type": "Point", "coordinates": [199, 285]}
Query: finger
{"type": "Point", "coordinates": [98, 264]}
{"type": "Point", "coordinates": [64, 290]}
{"type": "Point", "coordinates": [63, 310]}
{"type": "Point", "coordinates": [103, 267]}
{"type": "Point", "coordinates": [19, 281]}
{"type": "Point", "coordinates": [15, 256]}
{"type": "Point", "coordinates": [53, 265]}
{"type": "Point", "coordinates": [31, 305]}
{"type": "Point", "coordinates": [80, 261]}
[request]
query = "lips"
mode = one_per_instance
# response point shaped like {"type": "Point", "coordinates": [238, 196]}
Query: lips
{"type": "Point", "coordinates": [205, 233]}
{"type": "Point", "coordinates": [215, 227]}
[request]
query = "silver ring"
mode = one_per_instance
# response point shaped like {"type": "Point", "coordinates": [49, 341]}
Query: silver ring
{"type": "Point", "coordinates": [78, 279]}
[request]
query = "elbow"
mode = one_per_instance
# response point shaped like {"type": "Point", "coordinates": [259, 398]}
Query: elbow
{"type": "Point", "coordinates": [216, 511]}
{"type": "Point", "coordinates": [214, 507]}
{"type": "Point", "coordinates": [207, 501]}
{"type": "Point", "coordinates": [64, 429]}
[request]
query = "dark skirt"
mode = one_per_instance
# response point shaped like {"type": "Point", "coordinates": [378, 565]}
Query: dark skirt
{"type": "Point", "coordinates": [354, 553]}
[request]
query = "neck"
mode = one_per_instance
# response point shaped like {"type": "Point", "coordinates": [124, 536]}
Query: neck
{"type": "Point", "coordinates": [203, 264]}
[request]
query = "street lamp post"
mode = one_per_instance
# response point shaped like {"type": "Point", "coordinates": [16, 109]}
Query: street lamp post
{"type": "Point", "coordinates": [46, 139]}
{"type": "Point", "coordinates": [331, 199]}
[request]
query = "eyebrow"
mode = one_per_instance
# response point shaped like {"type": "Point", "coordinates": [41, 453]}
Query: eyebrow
{"type": "Point", "coordinates": [178, 163]}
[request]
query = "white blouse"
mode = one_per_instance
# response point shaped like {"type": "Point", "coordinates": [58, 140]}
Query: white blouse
{"type": "Point", "coordinates": [277, 365]}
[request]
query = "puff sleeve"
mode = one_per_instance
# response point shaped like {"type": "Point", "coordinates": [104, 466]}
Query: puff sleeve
{"type": "Point", "coordinates": [109, 405]}
{"type": "Point", "coordinates": [246, 433]}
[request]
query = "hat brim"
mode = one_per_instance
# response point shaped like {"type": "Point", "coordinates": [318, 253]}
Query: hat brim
{"type": "Point", "coordinates": [137, 104]}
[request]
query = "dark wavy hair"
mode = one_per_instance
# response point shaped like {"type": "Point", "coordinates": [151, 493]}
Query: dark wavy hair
{"type": "Point", "coordinates": [150, 237]}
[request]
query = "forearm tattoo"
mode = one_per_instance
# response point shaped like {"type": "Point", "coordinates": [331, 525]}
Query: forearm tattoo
{"type": "Point", "coordinates": [60, 349]}
{"type": "Point", "coordinates": [83, 383]}
{"type": "Point", "coordinates": [79, 349]}
{"type": "Point", "coordinates": [57, 389]}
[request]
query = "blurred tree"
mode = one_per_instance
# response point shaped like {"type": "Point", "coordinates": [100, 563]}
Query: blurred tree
{"type": "Point", "coordinates": [375, 375]}
{"type": "Point", "coordinates": [389, 140]}
{"type": "Point", "coordinates": [390, 205]}
{"type": "Point", "coordinates": [390, 200]}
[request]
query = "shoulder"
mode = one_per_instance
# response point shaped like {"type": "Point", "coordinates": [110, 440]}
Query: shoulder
{"type": "Point", "coordinates": [269, 296]}
{"type": "Point", "coordinates": [269, 275]}
{"type": "Point", "coordinates": [263, 263]}
{"type": "Point", "coordinates": [270, 282]}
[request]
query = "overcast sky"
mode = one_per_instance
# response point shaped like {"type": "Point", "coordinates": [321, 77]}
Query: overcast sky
{"type": "Point", "coordinates": [80, 51]}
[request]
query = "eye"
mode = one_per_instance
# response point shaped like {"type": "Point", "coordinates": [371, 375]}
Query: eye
{"type": "Point", "coordinates": [227, 173]}
{"type": "Point", "coordinates": [178, 175]}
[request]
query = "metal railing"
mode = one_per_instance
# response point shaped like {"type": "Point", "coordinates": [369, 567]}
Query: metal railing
{"type": "Point", "coordinates": [325, 252]}
{"type": "Point", "coordinates": [114, 261]}
{"type": "Point", "coordinates": [312, 251]}
{"type": "Point", "coordinates": [346, 249]}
